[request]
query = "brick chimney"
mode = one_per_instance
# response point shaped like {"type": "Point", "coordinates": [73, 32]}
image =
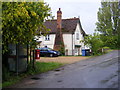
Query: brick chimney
{"type": "Point", "coordinates": [59, 19]}
{"type": "Point", "coordinates": [59, 38]}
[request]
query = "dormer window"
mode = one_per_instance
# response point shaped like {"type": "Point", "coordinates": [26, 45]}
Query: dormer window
{"type": "Point", "coordinates": [47, 38]}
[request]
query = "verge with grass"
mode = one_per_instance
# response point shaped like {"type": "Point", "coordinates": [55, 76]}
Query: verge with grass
{"type": "Point", "coordinates": [40, 67]}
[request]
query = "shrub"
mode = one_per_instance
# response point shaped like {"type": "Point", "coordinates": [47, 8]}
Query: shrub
{"type": "Point", "coordinates": [94, 42]}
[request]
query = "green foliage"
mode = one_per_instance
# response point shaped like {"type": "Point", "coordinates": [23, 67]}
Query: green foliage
{"type": "Point", "coordinates": [110, 41]}
{"type": "Point", "coordinates": [109, 23]}
{"type": "Point", "coordinates": [94, 42]}
{"type": "Point", "coordinates": [62, 49]}
{"type": "Point", "coordinates": [21, 20]}
{"type": "Point", "coordinates": [106, 47]}
{"type": "Point", "coordinates": [40, 67]}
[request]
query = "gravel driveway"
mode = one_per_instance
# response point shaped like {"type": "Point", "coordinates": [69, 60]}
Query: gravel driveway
{"type": "Point", "coordinates": [63, 59]}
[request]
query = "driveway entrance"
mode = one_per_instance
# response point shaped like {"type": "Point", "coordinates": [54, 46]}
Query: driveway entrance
{"type": "Point", "coordinates": [63, 59]}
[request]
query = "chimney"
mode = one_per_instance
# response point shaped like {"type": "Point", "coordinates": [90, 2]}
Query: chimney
{"type": "Point", "coordinates": [59, 18]}
{"type": "Point", "coordinates": [59, 44]}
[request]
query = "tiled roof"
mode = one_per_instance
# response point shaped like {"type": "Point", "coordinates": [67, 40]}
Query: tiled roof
{"type": "Point", "coordinates": [68, 25]}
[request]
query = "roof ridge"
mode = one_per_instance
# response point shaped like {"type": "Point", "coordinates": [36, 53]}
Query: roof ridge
{"type": "Point", "coordinates": [71, 18]}
{"type": "Point", "coordinates": [64, 19]}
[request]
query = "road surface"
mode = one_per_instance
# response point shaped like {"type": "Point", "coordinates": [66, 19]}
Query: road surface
{"type": "Point", "coordinates": [97, 72]}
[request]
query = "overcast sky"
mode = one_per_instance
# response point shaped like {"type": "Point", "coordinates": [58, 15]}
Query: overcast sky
{"type": "Point", "coordinates": [85, 9]}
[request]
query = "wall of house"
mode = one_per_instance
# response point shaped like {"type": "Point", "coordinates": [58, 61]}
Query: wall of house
{"type": "Point", "coordinates": [67, 38]}
{"type": "Point", "coordinates": [78, 30]}
{"type": "Point", "coordinates": [77, 38]}
{"type": "Point", "coordinates": [48, 43]}
{"type": "Point", "coordinates": [70, 41]}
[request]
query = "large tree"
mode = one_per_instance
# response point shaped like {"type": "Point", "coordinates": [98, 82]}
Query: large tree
{"type": "Point", "coordinates": [109, 23]}
{"type": "Point", "coordinates": [21, 20]}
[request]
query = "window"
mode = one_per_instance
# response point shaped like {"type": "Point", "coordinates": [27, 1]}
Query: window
{"type": "Point", "coordinates": [77, 36]}
{"type": "Point", "coordinates": [47, 37]}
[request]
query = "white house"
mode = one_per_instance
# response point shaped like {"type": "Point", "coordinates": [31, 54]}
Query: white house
{"type": "Point", "coordinates": [72, 33]}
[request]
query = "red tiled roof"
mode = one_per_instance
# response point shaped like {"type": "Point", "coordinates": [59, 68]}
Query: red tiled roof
{"type": "Point", "coordinates": [68, 25]}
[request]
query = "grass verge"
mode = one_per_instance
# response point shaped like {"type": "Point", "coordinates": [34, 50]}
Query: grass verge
{"type": "Point", "coordinates": [40, 67]}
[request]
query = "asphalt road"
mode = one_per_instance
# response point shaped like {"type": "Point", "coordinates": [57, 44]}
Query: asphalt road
{"type": "Point", "coordinates": [97, 72]}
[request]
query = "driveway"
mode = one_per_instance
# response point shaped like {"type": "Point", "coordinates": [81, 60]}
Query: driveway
{"type": "Point", "coordinates": [63, 59]}
{"type": "Point", "coordinates": [96, 72]}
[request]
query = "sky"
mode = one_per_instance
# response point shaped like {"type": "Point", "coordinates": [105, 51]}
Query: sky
{"type": "Point", "coordinates": [85, 9]}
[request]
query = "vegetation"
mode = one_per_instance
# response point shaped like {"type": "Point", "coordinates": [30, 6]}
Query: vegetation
{"type": "Point", "coordinates": [40, 67]}
{"type": "Point", "coordinates": [62, 49]}
{"type": "Point", "coordinates": [22, 20]}
{"type": "Point", "coordinates": [109, 23]}
{"type": "Point", "coordinates": [108, 28]}
{"type": "Point", "coordinates": [94, 42]}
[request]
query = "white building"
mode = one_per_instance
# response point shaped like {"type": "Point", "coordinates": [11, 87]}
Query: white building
{"type": "Point", "coordinates": [72, 33]}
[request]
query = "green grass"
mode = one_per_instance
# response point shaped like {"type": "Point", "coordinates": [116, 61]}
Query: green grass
{"type": "Point", "coordinates": [11, 81]}
{"type": "Point", "coordinates": [40, 67]}
{"type": "Point", "coordinates": [44, 67]}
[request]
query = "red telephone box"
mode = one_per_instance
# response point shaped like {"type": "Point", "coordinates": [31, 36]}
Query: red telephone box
{"type": "Point", "coordinates": [37, 54]}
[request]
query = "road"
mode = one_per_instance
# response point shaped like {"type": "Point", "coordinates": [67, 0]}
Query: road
{"type": "Point", "coordinates": [97, 72]}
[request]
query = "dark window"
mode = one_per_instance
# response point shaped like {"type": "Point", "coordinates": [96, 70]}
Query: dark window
{"type": "Point", "coordinates": [77, 36]}
{"type": "Point", "coordinates": [47, 38]}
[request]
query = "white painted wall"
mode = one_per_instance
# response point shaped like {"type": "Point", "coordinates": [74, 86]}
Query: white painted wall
{"type": "Point", "coordinates": [77, 41]}
{"type": "Point", "coordinates": [78, 30]}
{"type": "Point", "coordinates": [67, 38]}
{"type": "Point", "coordinates": [49, 43]}
{"type": "Point", "coordinates": [69, 41]}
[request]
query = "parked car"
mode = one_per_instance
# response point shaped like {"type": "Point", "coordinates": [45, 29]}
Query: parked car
{"type": "Point", "coordinates": [48, 52]}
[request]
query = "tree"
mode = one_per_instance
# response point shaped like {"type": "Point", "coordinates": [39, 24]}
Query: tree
{"type": "Point", "coordinates": [109, 23]}
{"type": "Point", "coordinates": [21, 20]}
{"type": "Point", "coordinates": [94, 42]}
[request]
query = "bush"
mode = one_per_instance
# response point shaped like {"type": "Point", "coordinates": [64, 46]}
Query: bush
{"type": "Point", "coordinates": [94, 42]}
{"type": "Point", "coordinates": [106, 47]}
{"type": "Point", "coordinates": [62, 49]}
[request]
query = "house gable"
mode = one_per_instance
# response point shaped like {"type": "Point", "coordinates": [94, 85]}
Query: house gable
{"type": "Point", "coordinates": [78, 35]}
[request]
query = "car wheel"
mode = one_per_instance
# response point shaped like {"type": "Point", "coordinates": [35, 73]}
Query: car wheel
{"type": "Point", "coordinates": [51, 55]}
